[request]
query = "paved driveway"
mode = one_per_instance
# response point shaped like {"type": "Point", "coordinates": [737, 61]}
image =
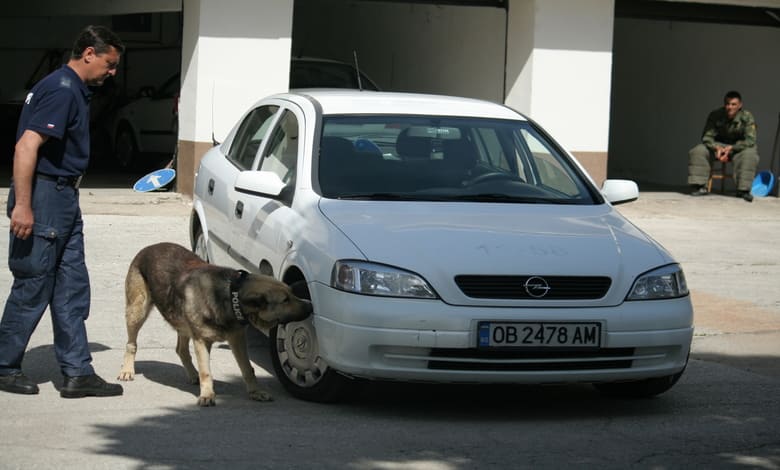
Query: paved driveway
{"type": "Point", "coordinates": [724, 413]}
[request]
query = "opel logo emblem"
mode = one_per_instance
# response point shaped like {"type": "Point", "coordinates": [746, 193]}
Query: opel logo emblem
{"type": "Point", "coordinates": [536, 287]}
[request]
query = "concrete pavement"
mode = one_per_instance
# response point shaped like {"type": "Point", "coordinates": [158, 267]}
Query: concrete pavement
{"type": "Point", "coordinates": [728, 249]}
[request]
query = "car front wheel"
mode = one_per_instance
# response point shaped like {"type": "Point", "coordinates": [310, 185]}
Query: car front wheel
{"type": "Point", "coordinates": [299, 367]}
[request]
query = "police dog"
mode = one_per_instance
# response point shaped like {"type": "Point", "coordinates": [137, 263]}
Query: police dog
{"type": "Point", "coordinates": [205, 303]}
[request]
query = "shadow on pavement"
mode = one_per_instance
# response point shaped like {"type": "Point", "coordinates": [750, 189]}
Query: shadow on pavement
{"type": "Point", "coordinates": [447, 427]}
{"type": "Point", "coordinates": [40, 363]}
{"type": "Point", "coordinates": [768, 366]}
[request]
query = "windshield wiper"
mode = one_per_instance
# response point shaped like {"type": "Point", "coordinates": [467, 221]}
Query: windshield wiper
{"type": "Point", "coordinates": [482, 197]}
{"type": "Point", "coordinates": [498, 197]}
{"type": "Point", "coordinates": [381, 197]}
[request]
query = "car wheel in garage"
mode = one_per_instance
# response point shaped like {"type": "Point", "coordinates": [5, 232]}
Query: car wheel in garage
{"type": "Point", "coordinates": [299, 367]}
{"type": "Point", "coordinates": [125, 148]}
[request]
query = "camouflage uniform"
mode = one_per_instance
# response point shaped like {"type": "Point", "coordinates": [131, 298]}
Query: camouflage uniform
{"type": "Point", "coordinates": [740, 133]}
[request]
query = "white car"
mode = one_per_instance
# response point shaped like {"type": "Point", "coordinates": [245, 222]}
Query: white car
{"type": "Point", "coordinates": [149, 123]}
{"type": "Point", "coordinates": [439, 239]}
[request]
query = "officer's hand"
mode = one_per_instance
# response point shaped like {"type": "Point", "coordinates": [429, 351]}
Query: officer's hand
{"type": "Point", "coordinates": [22, 222]}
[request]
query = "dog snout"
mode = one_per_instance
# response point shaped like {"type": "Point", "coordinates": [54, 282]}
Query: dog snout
{"type": "Point", "coordinates": [305, 310]}
{"type": "Point", "coordinates": [301, 309]}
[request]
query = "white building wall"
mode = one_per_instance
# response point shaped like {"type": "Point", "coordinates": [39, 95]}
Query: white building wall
{"type": "Point", "coordinates": [231, 57]}
{"type": "Point", "coordinates": [559, 67]}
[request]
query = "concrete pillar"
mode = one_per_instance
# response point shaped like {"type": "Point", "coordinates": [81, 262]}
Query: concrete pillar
{"type": "Point", "coordinates": [559, 69]}
{"type": "Point", "coordinates": [233, 54]}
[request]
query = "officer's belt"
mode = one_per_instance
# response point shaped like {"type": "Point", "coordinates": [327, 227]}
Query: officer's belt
{"type": "Point", "coordinates": [72, 181]}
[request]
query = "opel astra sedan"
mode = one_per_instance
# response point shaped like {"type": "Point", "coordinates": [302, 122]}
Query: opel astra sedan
{"type": "Point", "coordinates": [440, 239]}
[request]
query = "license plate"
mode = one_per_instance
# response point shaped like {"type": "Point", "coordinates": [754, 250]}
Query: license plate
{"type": "Point", "coordinates": [539, 334]}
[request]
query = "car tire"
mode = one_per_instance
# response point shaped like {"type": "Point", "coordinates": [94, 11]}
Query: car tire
{"type": "Point", "coordinates": [298, 366]}
{"type": "Point", "coordinates": [638, 388]}
{"type": "Point", "coordinates": [125, 147]}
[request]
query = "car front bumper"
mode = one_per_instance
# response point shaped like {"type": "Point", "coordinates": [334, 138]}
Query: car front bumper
{"type": "Point", "coordinates": [425, 340]}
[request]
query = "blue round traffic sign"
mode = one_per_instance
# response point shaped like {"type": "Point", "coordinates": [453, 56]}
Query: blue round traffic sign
{"type": "Point", "coordinates": [155, 180]}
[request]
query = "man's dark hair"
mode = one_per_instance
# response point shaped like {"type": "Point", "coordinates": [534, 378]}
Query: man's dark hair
{"type": "Point", "coordinates": [731, 95]}
{"type": "Point", "coordinates": [100, 38]}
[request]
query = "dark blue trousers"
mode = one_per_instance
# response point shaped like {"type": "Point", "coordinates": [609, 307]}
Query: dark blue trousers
{"type": "Point", "coordinates": [49, 271]}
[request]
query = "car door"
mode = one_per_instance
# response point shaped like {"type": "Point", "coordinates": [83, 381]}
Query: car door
{"type": "Point", "coordinates": [260, 219]}
{"type": "Point", "coordinates": [214, 179]}
{"type": "Point", "coordinates": [218, 174]}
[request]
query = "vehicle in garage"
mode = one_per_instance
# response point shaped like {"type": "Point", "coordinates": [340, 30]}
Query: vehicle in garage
{"type": "Point", "coordinates": [439, 239]}
{"type": "Point", "coordinates": [311, 72]}
{"type": "Point", "coordinates": [148, 123]}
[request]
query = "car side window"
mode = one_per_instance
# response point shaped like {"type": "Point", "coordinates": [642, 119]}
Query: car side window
{"type": "Point", "coordinates": [250, 135]}
{"type": "Point", "coordinates": [281, 155]}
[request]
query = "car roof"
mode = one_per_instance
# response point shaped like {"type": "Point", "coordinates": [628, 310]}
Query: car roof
{"type": "Point", "coordinates": [319, 60]}
{"type": "Point", "coordinates": [343, 101]}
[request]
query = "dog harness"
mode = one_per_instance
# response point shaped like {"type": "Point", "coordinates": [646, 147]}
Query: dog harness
{"type": "Point", "coordinates": [235, 302]}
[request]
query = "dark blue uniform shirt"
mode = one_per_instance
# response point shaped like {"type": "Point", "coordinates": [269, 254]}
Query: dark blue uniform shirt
{"type": "Point", "coordinates": [58, 106]}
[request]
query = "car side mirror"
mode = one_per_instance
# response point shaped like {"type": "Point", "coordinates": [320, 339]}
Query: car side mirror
{"type": "Point", "coordinates": [264, 183]}
{"type": "Point", "coordinates": [620, 191]}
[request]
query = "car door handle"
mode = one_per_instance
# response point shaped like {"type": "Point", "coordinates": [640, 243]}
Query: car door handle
{"type": "Point", "coordinates": [239, 209]}
{"type": "Point", "coordinates": [211, 187]}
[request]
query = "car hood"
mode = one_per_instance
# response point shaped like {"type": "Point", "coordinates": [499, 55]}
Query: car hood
{"type": "Point", "coordinates": [440, 240]}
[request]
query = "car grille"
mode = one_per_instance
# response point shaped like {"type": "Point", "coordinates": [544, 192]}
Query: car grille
{"type": "Point", "coordinates": [530, 360]}
{"type": "Point", "coordinates": [513, 287]}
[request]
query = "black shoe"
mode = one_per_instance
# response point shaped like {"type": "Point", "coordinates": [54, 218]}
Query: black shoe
{"type": "Point", "coordinates": [88, 386]}
{"type": "Point", "coordinates": [18, 383]}
{"type": "Point", "coordinates": [699, 191]}
{"type": "Point", "coordinates": [745, 195]}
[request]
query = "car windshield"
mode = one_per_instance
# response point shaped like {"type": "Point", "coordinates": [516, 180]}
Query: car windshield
{"type": "Point", "coordinates": [445, 159]}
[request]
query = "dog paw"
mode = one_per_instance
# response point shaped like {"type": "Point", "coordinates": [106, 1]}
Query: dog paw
{"type": "Point", "coordinates": [126, 375]}
{"type": "Point", "coordinates": [260, 395]}
{"type": "Point", "coordinates": [206, 401]}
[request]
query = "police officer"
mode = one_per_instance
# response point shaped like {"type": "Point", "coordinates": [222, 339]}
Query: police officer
{"type": "Point", "coordinates": [46, 253]}
{"type": "Point", "coordinates": [729, 135]}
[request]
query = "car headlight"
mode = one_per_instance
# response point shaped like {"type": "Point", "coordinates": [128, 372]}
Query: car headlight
{"type": "Point", "coordinates": [666, 282]}
{"type": "Point", "coordinates": [361, 277]}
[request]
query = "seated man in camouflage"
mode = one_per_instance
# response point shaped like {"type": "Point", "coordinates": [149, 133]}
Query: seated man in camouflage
{"type": "Point", "coordinates": [729, 135]}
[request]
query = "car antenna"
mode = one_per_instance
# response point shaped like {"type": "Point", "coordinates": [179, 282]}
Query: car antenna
{"type": "Point", "coordinates": [213, 138]}
{"type": "Point", "coordinates": [357, 70]}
